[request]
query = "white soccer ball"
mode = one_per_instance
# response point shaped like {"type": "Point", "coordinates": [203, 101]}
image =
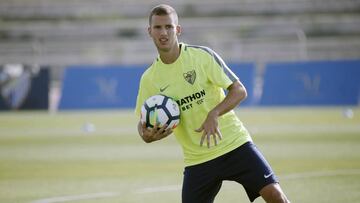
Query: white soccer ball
{"type": "Point", "coordinates": [162, 110]}
{"type": "Point", "coordinates": [348, 113]}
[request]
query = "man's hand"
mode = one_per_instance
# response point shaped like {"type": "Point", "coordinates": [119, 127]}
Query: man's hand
{"type": "Point", "coordinates": [210, 128]}
{"type": "Point", "coordinates": [153, 134]}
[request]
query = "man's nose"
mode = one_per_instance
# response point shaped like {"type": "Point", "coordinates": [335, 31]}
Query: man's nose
{"type": "Point", "coordinates": [163, 31]}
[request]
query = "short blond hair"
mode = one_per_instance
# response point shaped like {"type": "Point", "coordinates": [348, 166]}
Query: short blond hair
{"type": "Point", "coordinates": [162, 10]}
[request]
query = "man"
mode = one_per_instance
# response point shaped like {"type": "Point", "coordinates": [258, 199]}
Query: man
{"type": "Point", "coordinates": [196, 77]}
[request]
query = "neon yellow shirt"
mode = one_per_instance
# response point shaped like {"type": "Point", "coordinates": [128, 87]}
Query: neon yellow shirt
{"type": "Point", "coordinates": [196, 80]}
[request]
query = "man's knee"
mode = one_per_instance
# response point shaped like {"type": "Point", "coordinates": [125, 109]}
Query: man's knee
{"type": "Point", "coordinates": [273, 194]}
{"type": "Point", "coordinates": [278, 197]}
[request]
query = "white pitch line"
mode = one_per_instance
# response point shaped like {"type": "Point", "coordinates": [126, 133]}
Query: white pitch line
{"type": "Point", "coordinates": [167, 188]}
{"type": "Point", "coordinates": [76, 197]}
{"type": "Point", "coordinates": [171, 188]}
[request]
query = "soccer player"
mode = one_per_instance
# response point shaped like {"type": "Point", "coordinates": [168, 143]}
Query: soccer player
{"type": "Point", "coordinates": [215, 143]}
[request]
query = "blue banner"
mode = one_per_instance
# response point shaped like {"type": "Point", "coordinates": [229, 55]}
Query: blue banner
{"type": "Point", "coordinates": [96, 87]}
{"type": "Point", "coordinates": [116, 86]}
{"type": "Point", "coordinates": [246, 74]}
{"type": "Point", "coordinates": [312, 83]}
{"type": "Point", "coordinates": [295, 83]}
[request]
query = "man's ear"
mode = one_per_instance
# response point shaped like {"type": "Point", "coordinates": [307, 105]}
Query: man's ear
{"type": "Point", "coordinates": [178, 30]}
{"type": "Point", "coordinates": [149, 31]}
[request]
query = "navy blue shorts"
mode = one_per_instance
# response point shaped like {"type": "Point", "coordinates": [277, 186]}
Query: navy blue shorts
{"type": "Point", "coordinates": [245, 165]}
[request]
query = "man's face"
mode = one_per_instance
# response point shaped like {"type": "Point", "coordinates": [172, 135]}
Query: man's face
{"type": "Point", "coordinates": [164, 30]}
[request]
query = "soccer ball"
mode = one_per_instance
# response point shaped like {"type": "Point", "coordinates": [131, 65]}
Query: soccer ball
{"type": "Point", "coordinates": [160, 110]}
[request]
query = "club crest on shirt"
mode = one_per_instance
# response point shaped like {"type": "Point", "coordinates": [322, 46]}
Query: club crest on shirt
{"type": "Point", "coordinates": [190, 76]}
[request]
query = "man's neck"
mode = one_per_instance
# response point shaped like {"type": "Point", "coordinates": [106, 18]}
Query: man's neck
{"type": "Point", "coordinates": [170, 56]}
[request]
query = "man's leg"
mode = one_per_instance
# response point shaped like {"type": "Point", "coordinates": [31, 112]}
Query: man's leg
{"type": "Point", "coordinates": [204, 193]}
{"type": "Point", "coordinates": [273, 193]}
{"type": "Point", "coordinates": [201, 183]}
{"type": "Point", "coordinates": [249, 167]}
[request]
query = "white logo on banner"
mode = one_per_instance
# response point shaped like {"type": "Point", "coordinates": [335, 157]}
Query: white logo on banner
{"type": "Point", "coordinates": [15, 83]}
{"type": "Point", "coordinates": [107, 88]}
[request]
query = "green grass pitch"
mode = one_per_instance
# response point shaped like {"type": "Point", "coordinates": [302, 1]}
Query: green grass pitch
{"type": "Point", "coordinates": [97, 156]}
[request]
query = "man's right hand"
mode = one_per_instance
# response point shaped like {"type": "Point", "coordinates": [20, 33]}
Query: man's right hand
{"type": "Point", "coordinates": [153, 134]}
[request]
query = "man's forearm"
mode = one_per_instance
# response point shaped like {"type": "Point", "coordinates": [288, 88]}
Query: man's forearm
{"type": "Point", "coordinates": [236, 94]}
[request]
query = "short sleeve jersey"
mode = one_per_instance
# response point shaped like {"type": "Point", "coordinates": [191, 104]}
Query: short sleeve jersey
{"type": "Point", "coordinates": [196, 80]}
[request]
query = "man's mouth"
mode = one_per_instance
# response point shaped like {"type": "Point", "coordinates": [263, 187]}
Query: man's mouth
{"type": "Point", "coordinates": [163, 40]}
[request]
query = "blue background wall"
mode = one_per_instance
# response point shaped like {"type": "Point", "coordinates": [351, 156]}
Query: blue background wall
{"type": "Point", "coordinates": [90, 87]}
{"type": "Point", "coordinates": [296, 83]}
{"type": "Point", "coordinates": [312, 83]}
{"type": "Point", "coordinates": [246, 74]}
{"type": "Point", "coordinates": [116, 86]}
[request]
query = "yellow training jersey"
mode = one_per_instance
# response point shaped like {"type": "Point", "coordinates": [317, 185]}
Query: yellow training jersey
{"type": "Point", "coordinates": [196, 80]}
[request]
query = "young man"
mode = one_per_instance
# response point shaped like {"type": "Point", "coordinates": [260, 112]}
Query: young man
{"type": "Point", "coordinates": [196, 76]}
